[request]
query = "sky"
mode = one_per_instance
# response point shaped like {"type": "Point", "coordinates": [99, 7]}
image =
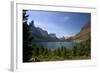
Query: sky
{"type": "Point", "coordinates": [61, 23]}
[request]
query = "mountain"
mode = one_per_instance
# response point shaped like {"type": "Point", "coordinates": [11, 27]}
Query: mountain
{"type": "Point", "coordinates": [42, 32]}
{"type": "Point", "coordinates": [52, 35]}
{"type": "Point", "coordinates": [65, 38]}
{"type": "Point", "coordinates": [84, 33]}
{"type": "Point", "coordinates": [38, 34]}
{"type": "Point", "coordinates": [35, 34]}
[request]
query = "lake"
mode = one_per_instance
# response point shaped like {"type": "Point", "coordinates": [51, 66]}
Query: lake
{"type": "Point", "coordinates": [55, 45]}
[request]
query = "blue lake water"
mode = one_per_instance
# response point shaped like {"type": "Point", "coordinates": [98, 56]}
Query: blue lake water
{"type": "Point", "coordinates": [54, 45]}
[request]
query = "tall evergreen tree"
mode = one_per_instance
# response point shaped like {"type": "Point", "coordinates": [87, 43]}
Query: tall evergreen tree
{"type": "Point", "coordinates": [27, 50]}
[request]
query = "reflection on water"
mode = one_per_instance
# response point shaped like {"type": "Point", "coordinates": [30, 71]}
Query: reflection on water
{"type": "Point", "coordinates": [54, 45]}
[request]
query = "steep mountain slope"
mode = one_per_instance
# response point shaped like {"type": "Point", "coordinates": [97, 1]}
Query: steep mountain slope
{"type": "Point", "coordinates": [38, 34]}
{"type": "Point", "coordinates": [84, 33]}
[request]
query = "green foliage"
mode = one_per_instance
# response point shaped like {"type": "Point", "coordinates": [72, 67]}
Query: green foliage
{"type": "Point", "coordinates": [27, 49]}
{"type": "Point", "coordinates": [83, 49]}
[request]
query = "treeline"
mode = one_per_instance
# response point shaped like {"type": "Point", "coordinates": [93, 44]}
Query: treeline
{"type": "Point", "coordinates": [46, 54]}
{"type": "Point", "coordinates": [83, 49]}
